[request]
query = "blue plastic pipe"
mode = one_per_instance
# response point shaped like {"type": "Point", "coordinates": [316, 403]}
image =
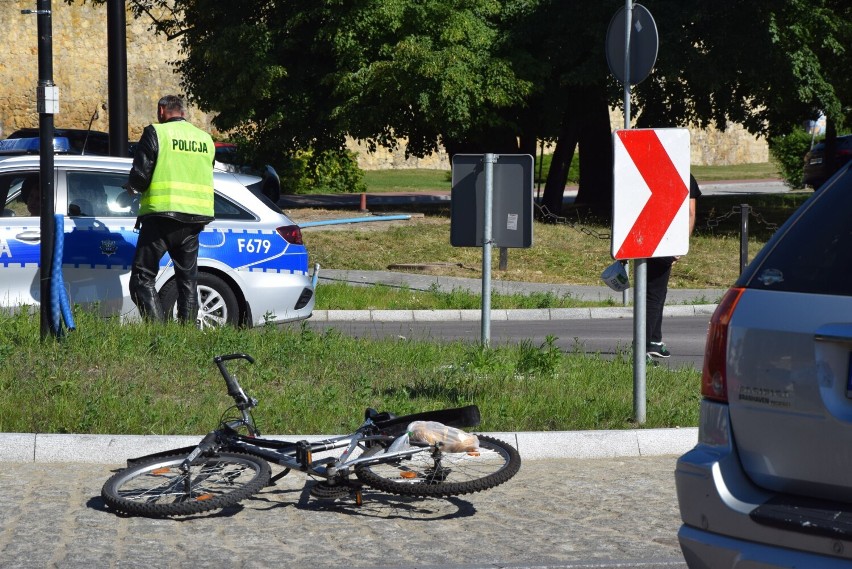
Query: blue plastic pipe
{"type": "Point", "coordinates": [59, 302]}
{"type": "Point", "coordinates": [354, 220]}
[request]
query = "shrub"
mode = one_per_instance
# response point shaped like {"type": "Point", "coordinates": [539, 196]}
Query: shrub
{"type": "Point", "coordinates": [330, 171]}
{"type": "Point", "coordinates": [789, 151]}
{"type": "Point", "coordinates": [542, 164]}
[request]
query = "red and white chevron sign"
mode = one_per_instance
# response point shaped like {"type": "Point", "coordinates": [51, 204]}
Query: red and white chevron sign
{"type": "Point", "coordinates": [650, 215]}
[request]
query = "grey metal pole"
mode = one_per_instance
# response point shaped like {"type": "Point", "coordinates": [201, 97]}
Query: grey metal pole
{"type": "Point", "coordinates": [628, 20]}
{"type": "Point", "coordinates": [639, 339]}
{"type": "Point", "coordinates": [640, 267]}
{"type": "Point", "coordinates": [489, 160]}
{"type": "Point", "coordinates": [744, 212]}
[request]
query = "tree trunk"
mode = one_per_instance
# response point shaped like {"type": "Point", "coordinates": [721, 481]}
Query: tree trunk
{"type": "Point", "coordinates": [830, 153]}
{"type": "Point", "coordinates": [560, 163]}
{"type": "Point", "coordinates": [596, 151]}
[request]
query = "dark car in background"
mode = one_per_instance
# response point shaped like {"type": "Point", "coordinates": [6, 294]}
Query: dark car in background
{"type": "Point", "coordinates": [769, 484]}
{"type": "Point", "coordinates": [229, 159]}
{"type": "Point", "coordinates": [817, 169]}
{"type": "Point", "coordinates": [81, 141]}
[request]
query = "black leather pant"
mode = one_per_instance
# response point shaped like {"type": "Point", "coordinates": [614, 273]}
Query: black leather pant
{"type": "Point", "coordinates": [659, 270]}
{"type": "Point", "coordinates": [160, 235]}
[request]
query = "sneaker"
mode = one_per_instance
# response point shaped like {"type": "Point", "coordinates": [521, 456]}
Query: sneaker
{"type": "Point", "coordinates": [657, 350]}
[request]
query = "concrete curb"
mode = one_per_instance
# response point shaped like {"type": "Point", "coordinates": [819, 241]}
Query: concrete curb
{"type": "Point", "coordinates": [115, 449]}
{"type": "Point", "coordinates": [499, 315]}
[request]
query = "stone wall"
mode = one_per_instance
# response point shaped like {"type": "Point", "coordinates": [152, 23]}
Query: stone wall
{"type": "Point", "coordinates": [80, 68]}
{"type": "Point", "coordinates": [80, 71]}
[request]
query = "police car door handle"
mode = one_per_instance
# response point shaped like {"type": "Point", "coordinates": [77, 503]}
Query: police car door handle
{"type": "Point", "coordinates": [29, 236]}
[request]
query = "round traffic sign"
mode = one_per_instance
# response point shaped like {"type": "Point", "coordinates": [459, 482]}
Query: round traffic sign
{"type": "Point", "coordinates": [644, 42]}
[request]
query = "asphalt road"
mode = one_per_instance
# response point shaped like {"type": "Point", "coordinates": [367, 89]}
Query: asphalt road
{"type": "Point", "coordinates": [684, 335]}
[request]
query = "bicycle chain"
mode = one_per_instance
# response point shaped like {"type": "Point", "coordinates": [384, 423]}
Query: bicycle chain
{"type": "Point", "coordinates": [546, 216]}
{"type": "Point", "coordinates": [714, 222]}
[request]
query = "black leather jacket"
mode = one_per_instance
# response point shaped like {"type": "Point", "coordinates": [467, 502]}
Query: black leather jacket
{"type": "Point", "coordinates": [144, 162]}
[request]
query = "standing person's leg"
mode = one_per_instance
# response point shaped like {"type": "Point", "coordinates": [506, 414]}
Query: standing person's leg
{"type": "Point", "coordinates": [184, 253]}
{"type": "Point", "coordinates": [659, 271]}
{"type": "Point", "coordinates": [150, 248]}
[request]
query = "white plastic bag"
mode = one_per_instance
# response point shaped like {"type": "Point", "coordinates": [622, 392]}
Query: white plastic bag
{"type": "Point", "coordinates": [451, 439]}
{"type": "Point", "coordinates": [400, 443]}
{"type": "Point", "coordinates": [615, 277]}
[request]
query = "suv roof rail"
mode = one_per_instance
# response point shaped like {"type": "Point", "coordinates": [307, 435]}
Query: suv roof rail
{"type": "Point", "coordinates": [20, 146]}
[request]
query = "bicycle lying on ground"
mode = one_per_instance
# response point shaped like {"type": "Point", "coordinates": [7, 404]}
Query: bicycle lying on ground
{"type": "Point", "coordinates": [228, 466]}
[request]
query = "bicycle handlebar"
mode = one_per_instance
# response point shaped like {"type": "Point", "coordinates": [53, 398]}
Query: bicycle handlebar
{"type": "Point", "coordinates": [234, 390]}
{"type": "Point", "coordinates": [218, 359]}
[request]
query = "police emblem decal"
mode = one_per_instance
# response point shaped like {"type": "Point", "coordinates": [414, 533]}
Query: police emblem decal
{"type": "Point", "coordinates": [109, 247]}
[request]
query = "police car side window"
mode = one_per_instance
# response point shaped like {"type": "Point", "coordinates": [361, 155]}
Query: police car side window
{"type": "Point", "coordinates": [98, 194]}
{"type": "Point", "coordinates": [86, 195]}
{"type": "Point", "coordinates": [226, 209]}
{"type": "Point", "coordinates": [14, 193]}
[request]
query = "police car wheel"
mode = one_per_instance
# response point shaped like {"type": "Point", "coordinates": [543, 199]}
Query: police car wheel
{"type": "Point", "coordinates": [217, 304]}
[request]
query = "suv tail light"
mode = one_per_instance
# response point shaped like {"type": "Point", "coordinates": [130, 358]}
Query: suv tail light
{"type": "Point", "coordinates": [714, 380]}
{"type": "Point", "coordinates": [291, 234]}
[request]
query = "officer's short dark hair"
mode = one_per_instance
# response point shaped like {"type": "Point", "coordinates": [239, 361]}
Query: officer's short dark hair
{"type": "Point", "coordinates": [172, 103]}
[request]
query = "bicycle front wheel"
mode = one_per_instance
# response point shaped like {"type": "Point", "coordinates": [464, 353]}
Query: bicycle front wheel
{"type": "Point", "coordinates": [436, 473]}
{"type": "Point", "coordinates": [158, 487]}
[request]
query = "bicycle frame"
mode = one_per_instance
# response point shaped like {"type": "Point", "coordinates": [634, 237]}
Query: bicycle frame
{"type": "Point", "coordinates": [299, 455]}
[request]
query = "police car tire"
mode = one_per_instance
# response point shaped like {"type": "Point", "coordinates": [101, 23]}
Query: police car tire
{"type": "Point", "coordinates": [168, 297]}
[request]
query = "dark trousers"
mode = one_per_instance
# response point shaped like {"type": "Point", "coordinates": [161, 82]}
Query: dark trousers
{"type": "Point", "coordinates": [160, 235]}
{"type": "Point", "coordinates": [659, 270]}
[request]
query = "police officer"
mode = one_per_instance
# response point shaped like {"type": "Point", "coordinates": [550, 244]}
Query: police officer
{"type": "Point", "coordinates": [173, 172]}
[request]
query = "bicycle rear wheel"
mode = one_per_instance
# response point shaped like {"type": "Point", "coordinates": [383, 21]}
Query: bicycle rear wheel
{"type": "Point", "coordinates": [158, 487]}
{"type": "Point", "coordinates": [435, 473]}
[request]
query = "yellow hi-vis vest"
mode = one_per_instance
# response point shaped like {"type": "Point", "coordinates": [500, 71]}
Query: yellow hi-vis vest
{"type": "Point", "coordinates": [183, 176]}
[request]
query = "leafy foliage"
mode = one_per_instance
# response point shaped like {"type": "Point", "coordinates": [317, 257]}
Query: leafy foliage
{"type": "Point", "coordinates": [329, 171]}
{"type": "Point", "coordinates": [788, 151]}
{"type": "Point", "coordinates": [500, 74]}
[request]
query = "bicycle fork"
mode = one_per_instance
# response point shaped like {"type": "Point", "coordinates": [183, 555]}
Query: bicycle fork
{"type": "Point", "coordinates": [207, 444]}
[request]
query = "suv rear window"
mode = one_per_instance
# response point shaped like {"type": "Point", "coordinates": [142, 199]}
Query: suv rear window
{"type": "Point", "coordinates": [814, 252]}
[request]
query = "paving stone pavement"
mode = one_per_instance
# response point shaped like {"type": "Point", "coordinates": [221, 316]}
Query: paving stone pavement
{"type": "Point", "coordinates": [555, 513]}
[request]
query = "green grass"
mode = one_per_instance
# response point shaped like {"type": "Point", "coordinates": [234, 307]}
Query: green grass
{"type": "Point", "coordinates": [341, 296]}
{"type": "Point", "coordinates": [106, 377]}
{"type": "Point", "coordinates": [140, 379]}
{"type": "Point", "coordinates": [766, 170]}
{"type": "Point", "coordinates": [412, 180]}
{"type": "Point", "coordinates": [573, 252]}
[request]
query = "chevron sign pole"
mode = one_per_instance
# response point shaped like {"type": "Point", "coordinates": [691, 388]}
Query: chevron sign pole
{"type": "Point", "coordinates": [650, 218]}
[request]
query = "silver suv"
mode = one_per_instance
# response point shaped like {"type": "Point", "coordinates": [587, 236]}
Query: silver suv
{"type": "Point", "coordinates": [769, 483]}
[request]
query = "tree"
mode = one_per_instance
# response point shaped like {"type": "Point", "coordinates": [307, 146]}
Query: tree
{"type": "Point", "coordinates": [498, 75]}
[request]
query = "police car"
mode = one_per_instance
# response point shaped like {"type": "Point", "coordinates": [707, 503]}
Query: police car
{"type": "Point", "coordinates": [253, 265]}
